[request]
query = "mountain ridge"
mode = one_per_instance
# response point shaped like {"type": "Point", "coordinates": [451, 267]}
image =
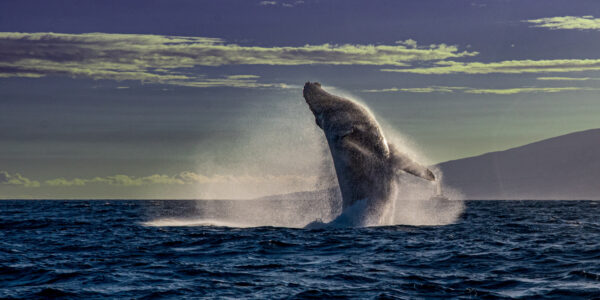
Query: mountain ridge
{"type": "Point", "coordinates": [564, 167]}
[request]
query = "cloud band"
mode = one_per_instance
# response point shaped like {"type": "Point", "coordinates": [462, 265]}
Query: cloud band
{"type": "Point", "coordinates": [169, 59]}
{"type": "Point", "coordinates": [567, 22]}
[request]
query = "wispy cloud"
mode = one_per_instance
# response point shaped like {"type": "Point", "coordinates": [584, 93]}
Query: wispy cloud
{"type": "Point", "coordinates": [170, 59]}
{"type": "Point", "coordinates": [120, 180]}
{"type": "Point", "coordinates": [282, 3]}
{"type": "Point", "coordinates": [21, 74]}
{"type": "Point", "coordinates": [469, 90]}
{"type": "Point", "coordinates": [567, 22]}
{"type": "Point", "coordinates": [568, 78]}
{"type": "Point", "coordinates": [239, 81]}
{"type": "Point", "coordinates": [182, 178]}
{"type": "Point", "coordinates": [237, 186]}
{"type": "Point", "coordinates": [511, 91]}
{"type": "Point", "coordinates": [292, 3]}
{"type": "Point", "coordinates": [429, 89]}
{"type": "Point", "coordinates": [506, 67]}
{"type": "Point", "coordinates": [16, 180]}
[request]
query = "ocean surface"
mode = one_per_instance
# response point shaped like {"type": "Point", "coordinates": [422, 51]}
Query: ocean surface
{"type": "Point", "coordinates": [100, 249]}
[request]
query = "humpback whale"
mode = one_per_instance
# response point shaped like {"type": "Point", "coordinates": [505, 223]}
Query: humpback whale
{"type": "Point", "coordinates": [366, 165]}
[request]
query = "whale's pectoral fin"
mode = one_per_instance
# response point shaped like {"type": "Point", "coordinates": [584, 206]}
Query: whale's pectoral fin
{"type": "Point", "coordinates": [402, 162]}
{"type": "Point", "coordinates": [420, 171]}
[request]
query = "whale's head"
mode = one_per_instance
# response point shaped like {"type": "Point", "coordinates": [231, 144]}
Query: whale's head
{"type": "Point", "coordinates": [340, 117]}
{"type": "Point", "coordinates": [327, 107]}
{"type": "Point", "coordinates": [318, 100]}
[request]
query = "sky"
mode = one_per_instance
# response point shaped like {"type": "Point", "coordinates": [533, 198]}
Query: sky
{"type": "Point", "coordinates": [181, 99]}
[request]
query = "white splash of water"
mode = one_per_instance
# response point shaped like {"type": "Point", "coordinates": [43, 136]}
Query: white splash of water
{"type": "Point", "coordinates": [279, 146]}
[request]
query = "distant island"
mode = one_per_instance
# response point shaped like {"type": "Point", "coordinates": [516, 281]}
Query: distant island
{"type": "Point", "coordinates": [566, 167]}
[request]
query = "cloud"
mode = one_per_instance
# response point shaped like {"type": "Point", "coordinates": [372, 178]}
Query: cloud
{"type": "Point", "coordinates": [17, 74]}
{"type": "Point", "coordinates": [409, 42]}
{"type": "Point", "coordinates": [118, 180]}
{"type": "Point", "coordinates": [468, 90]}
{"type": "Point", "coordinates": [182, 178]}
{"type": "Point", "coordinates": [568, 78]}
{"type": "Point", "coordinates": [506, 67]}
{"type": "Point", "coordinates": [284, 3]}
{"type": "Point", "coordinates": [429, 89]}
{"type": "Point", "coordinates": [511, 91]}
{"type": "Point", "coordinates": [64, 182]}
{"type": "Point", "coordinates": [170, 59]}
{"type": "Point", "coordinates": [208, 187]}
{"type": "Point", "coordinates": [292, 4]}
{"type": "Point", "coordinates": [567, 22]}
{"type": "Point", "coordinates": [16, 179]}
{"type": "Point", "coordinates": [239, 81]}
{"type": "Point", "coordinates": [242, 76]}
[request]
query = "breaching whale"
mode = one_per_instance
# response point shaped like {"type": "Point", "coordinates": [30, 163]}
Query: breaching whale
{"type": "Point", "coordinates": [366, 165]}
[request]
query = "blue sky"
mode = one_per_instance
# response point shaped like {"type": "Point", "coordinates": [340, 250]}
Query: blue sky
{"type": "Point", "coordinates": [188, 99]}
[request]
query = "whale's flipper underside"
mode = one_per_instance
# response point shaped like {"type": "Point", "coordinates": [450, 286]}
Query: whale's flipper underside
{"type": "Point", "coordinates": [402, 162]}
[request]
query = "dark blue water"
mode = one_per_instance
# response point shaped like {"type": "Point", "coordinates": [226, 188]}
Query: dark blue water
{"type": "Point", "coordinates": [497, 249]}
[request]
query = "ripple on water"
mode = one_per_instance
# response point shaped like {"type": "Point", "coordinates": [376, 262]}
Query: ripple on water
{"type": "Point", "coordinates": [94, 249]}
